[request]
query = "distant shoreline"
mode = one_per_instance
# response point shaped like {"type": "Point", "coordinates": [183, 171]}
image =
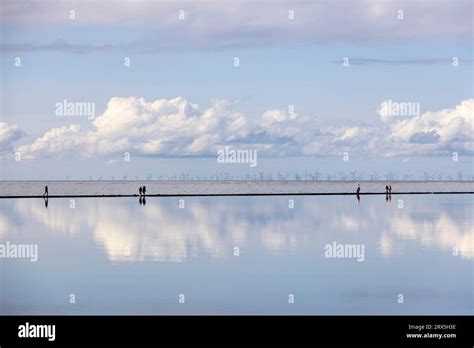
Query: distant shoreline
{"type": "Point", "coordinates": [250, 181]}
{"type": "Point", "coordinates": [249, 194]}
{"type": "Point", "coordinates": [91, 189]}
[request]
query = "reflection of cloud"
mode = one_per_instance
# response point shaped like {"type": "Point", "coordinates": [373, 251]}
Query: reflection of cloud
{"type": "Point", "coordinates": [406, 61]}
{"type": "Point", "coordinates": [163, 232]}
{"type": "Point", "coordinates": [277, 238]}
{"type": "Point", "coordinates": [386, 244]}
{"type": "Point", "coordinates": [6, 226]}
{"type": "Point", "coordinates": [157, 232]}
{"type": "Point", "coordinates": [160, 231]}
{"type": "Point", "coordinates": [349, 223]}
{"type": "Point", "coordinates": [58, 216]}
{"type": "Point", "coordinates": [404, 227]}
{"type": "Point", "coordinates": [440, 231]}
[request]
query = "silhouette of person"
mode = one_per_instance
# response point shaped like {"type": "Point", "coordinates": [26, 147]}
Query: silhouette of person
{"type": "Point", "coordinates": [140, 190]}
{"type": "Point", "coordinates": [357, 193]}
{"type": "Point", "coordinates": [390, 189]}
{"type": "Point", "coordinates": [46, 191]}
{"type": "Point", "coordinates": [144, 189]}
{"type": "Point", "coordinates": [386, 189]}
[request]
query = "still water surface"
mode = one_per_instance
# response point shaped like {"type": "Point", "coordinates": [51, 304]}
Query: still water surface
{"type": "Point", "coordinates": [117, 256]}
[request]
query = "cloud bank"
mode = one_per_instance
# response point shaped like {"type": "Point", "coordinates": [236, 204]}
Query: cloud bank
{"type": "Point", "coordinates": [179, 128]}
{"type": "Point", "coordinates": [237, 24]}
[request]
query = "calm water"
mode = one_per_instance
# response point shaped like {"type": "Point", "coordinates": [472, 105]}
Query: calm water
{"type": "Point", "coordinates": [27, 188]}
{"type": "Point", "coordinates": [121, 257]}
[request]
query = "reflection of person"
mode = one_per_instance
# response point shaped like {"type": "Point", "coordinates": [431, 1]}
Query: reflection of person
{"type": "Point", "coordinates": [46, 191]}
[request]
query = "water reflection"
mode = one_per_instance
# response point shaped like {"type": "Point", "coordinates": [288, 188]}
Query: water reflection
{"type": "Point", "coordinates": [162, 231]}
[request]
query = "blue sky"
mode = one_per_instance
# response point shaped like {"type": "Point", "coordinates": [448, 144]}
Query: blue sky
{"type": "Point", "coordinates": [282, 62]}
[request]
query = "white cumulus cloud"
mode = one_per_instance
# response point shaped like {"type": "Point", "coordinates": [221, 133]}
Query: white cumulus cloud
{"type": "Point", "coordinates": [433, 133]}
{"type": "Point", "coordinates": [8, 134]}
{"type": "Point", "coordinates": [177, 127]}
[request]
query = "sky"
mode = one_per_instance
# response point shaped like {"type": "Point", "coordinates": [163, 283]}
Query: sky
{"type": "Point", "coordinates": [159, 88]}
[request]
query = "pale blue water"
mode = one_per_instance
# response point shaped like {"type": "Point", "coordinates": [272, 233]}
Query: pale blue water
{"type": "Point", "coordinates": [120, 257]}
{"type": "Point", "coordinates": [32, 188]}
